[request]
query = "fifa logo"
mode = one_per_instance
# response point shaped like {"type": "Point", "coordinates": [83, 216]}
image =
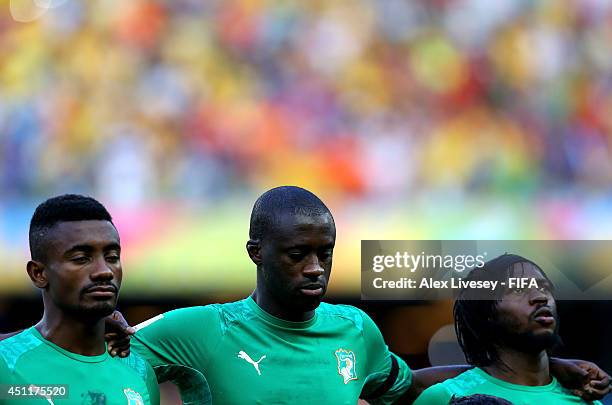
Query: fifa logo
{"type": "Point", "coordinates": [346, 364]}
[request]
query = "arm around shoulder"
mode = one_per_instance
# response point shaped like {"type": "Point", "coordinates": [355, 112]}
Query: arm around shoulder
{"type": "Point", "coordinates": [178, 337]}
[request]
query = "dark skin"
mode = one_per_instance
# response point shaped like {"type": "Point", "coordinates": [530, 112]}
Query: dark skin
{"type": "Point", "coordinates": [79, 275]}
{"type": "Point", "coordinates": [293, 268]}
{"type": "Point", "coordinates": [530, 314]}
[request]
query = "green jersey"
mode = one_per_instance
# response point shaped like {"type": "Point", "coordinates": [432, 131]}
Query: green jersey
{"type": "Point", "coordinates": [35, 371]}
{"type": "Point", "coordinates": [477, 381]}
{"type": "Point", "coordinates": [237, 353]}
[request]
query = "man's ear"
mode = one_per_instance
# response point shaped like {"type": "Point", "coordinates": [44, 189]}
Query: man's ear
{"type": "Point", "coordinates": [253, 247]}
{"type": "Point", "coordinates": [38, 274]}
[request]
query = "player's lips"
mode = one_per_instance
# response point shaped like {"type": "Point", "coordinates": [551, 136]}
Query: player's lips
{"type": "Point", "coordinates": [102, 291]}
{"type": "Point", "coordinates": [544, 316]}
{"type": "Point", "coordinates": [312, 290]}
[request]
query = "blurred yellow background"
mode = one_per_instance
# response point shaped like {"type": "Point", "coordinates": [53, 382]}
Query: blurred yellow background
{"type": "Point", "coordinates": [441, 119]}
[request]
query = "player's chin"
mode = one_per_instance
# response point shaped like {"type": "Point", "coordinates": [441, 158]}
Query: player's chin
{"type": "Point", "coordinates": [543, 339]}
{"type": "Point", "coordinates": [546, 336]}
{"type": "Point", "coordinates": [309, 303]}
{"type": "Point", "coordinates": [99, 309]}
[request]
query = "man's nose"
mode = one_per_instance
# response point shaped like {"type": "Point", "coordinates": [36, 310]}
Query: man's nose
{"type": "Point", "coordinates": [313, 267]}
{"type": "Point", "coordinates": [538, 297]}
{"type": "Point", "coordinates": [102, 270]}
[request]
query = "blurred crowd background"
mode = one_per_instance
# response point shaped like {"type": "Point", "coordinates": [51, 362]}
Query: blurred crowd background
{"type": "Point", "coordinates": [412, 119]}
{"type": "Point", "coordinates": [443, 119]}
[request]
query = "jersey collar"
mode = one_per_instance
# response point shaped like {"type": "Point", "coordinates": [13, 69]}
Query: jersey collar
{"type": "Point", "coordinates": [277, 321]}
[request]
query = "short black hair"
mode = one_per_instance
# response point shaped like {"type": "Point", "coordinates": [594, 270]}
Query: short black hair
{"type": "Point", "coordinates": [63, 208]}
{"type": "Point", "coordinates": [474, 310]}
{"type": "Point", "coordinates": [478, 399]}
{"type": "Point", "coordinates": [272, 204]}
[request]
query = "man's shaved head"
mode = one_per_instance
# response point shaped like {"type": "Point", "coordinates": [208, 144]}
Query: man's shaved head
{"type": "Point", "coordinates": [64, 208]}
{"type": "Point", "coordinates": [280, 201]}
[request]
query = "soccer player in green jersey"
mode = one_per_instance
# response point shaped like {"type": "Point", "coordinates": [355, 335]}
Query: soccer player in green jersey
{"type": "Point", "coordinates": [281, 344]}
{"type": "Point", "coordinates": [63, 359]}
{"type": "Point", "coordinates": [507, 337]}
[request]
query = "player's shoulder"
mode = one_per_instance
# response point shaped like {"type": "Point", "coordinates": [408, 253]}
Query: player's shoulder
{"type": "Point", "coordinates": [186, 316]}
{"type": "Point", "coordinates": [465, 382]}
{"type": "Point", "coordinates": [347, 313]}
{"type": "Point", "coordinates": [14, 348]}
{"type": "Point", "coordinates": [135, 363]}
{"type": "Point", "coordinates": [194, 321]}
{"type": "Point", "coordinates": [434, 395]}
{"type": "Point", "coordinates": [238, 309]}
{"type": "Point", "coordinates": [234, 313]}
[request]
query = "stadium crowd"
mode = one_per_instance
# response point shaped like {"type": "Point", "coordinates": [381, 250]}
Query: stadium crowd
{"type": "Point", "coordinates": [192, 99]}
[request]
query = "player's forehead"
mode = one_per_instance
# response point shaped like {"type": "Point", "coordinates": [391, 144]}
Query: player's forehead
{"type": "Point", "coordinates": [290, 227]}
{"type": "Point", "coordinates": [526, 269]}
{"type": "Point", "coordinates": [95, 233]}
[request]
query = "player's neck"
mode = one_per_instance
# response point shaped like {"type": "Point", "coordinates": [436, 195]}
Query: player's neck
{"type": "Point", "coordinates": [521, 368]}
{"type": "Point", "coordinates": [268, 304]}
{"type": "Point", "coordinates": [73, 334]}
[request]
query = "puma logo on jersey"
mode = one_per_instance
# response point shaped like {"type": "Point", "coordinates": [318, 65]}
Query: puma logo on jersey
{"type": "Point", "coordinates": [242, 355]}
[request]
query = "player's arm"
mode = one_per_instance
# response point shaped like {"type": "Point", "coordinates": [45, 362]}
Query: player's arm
{"type": "Point", "coordinates": [6, 379]}
{"type": "Point", "coordinates": [166, 336]}
{"type": "Point", "coordinates": [423, 381]}
{"type": "Point", "coordinates": [586, 379]}
{"type": "Point", "coordinates": [388, 376]}
{"type": "Point", "coordinates": [4, 370]}
{"type": "Point", "coordinates": [152, 386]}
{"type": "Point", "coordinates": [8, 335]}
{"type": "Point", "coordinates": [118, 334]}
{"type": "Point", "coordinates": [390, 380]}
{"type": "Point", "coordinates": [424, 378]}
{"type": "Point", "coordinates": [176, 344]}
{"type": "Point", "coordinates": [179, 337]}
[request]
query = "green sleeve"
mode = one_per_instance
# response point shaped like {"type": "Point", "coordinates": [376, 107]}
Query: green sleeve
{"type": "Point", "coordinates": [5, 374]}
{"type": "Point", "coordinates": [152, 386]}
{"type": "Point", "coordinates": [434, 395]}
{"type": "Point", "coordinates": [182, 337]}
{"type": "Point", "coordinates": [178, 345]}
{"type": "Point", "coordinates": [379, 366]}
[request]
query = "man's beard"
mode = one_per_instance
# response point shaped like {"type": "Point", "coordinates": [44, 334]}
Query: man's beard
{"type": "Point", "coordinates": [528, 341]}
{"type": "Point", "coordinates": [90, 312]}
{"type": "Point", "coordinates": [98, 309]}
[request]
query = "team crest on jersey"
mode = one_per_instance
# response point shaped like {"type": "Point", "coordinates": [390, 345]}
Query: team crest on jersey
{"type": "Point", "coordinates": [133, 398]}
{"type": "Point", "coordinates": [346, 364]}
